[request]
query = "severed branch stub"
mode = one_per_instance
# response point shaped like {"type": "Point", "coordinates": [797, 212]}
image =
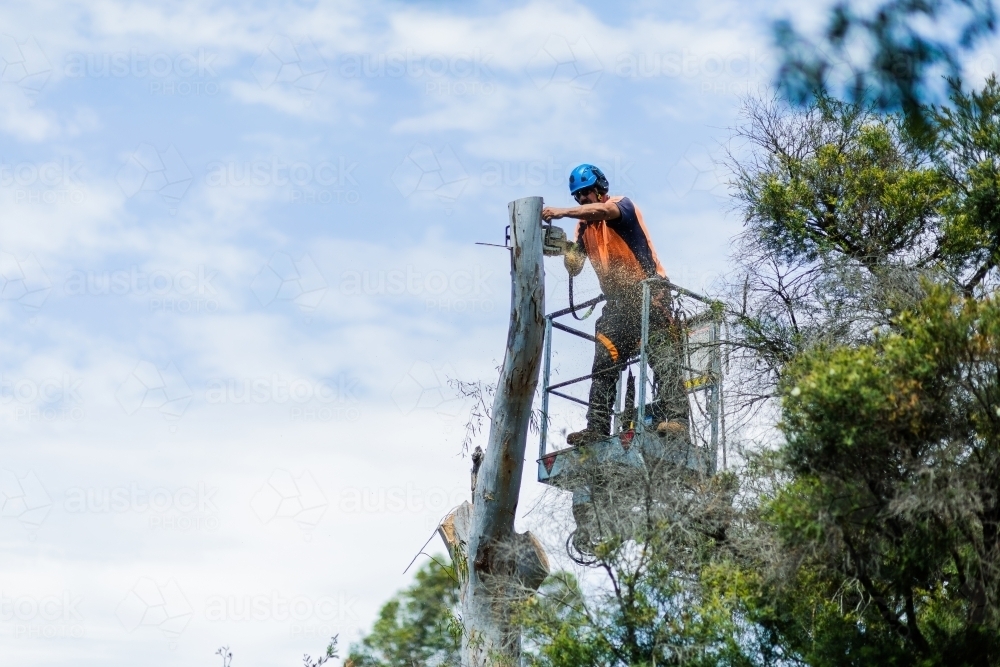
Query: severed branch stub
{"type": "Point", "coordinates": [477, 460]}
{"type": "Point", "coordinates": [496, 566]}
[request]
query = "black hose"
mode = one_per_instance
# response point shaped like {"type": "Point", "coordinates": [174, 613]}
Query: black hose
{"type": "Point", "coordinates": [573, 307]}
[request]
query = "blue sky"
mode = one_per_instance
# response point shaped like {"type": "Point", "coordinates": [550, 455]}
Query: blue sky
{"type": "Point", "coordinates": [239, 267]}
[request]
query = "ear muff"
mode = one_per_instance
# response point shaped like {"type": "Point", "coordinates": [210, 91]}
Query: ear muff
{"type": "Point", "coordinates": [587, 176]}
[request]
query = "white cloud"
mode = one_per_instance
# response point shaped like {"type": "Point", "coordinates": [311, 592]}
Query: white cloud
{"type": "Point", "coordinates": [20, 118]}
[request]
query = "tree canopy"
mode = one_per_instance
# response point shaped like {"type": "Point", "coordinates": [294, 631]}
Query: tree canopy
{"type": "Point", "coordinates": [417, 626]}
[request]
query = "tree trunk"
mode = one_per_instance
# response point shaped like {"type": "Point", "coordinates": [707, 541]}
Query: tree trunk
{"type": "Point", "coordinates": [496, 566]}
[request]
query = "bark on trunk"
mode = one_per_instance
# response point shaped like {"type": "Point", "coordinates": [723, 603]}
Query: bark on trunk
{"type": "Point", "coordinates": [496, 566]}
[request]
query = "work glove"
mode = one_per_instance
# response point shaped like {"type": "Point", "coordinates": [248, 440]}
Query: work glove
{"type": "Point", "coordinates": [555, 243]}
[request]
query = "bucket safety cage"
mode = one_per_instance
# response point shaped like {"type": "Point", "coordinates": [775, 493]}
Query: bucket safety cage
{"type": "Point", "coordinates": [633, 442]}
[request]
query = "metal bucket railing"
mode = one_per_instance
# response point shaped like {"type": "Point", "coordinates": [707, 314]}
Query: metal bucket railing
{"type": "Point", "coordinates": [702, 367]}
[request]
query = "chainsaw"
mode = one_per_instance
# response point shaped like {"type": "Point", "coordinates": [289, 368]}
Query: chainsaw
{"type": "Point", "coordinates": [555, 242]}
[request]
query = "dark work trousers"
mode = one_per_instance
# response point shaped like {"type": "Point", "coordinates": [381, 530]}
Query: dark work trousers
{"type": "Point", "coordinates": [619, 333]}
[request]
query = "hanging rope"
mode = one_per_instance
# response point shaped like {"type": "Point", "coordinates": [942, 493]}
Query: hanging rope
{"type": "Point", "coordinates": [573, 307]}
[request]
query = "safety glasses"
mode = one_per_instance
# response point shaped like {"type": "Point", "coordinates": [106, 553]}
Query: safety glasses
{"type": "Point", "coordinates": [581, 195]}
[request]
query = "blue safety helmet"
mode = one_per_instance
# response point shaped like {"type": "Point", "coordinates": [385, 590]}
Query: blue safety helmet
{"type": "Point", "coordinates": [587, 176]}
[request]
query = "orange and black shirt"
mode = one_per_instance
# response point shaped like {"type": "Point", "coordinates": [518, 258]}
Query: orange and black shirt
{"type": "Point", "coordinates": [620, 250]}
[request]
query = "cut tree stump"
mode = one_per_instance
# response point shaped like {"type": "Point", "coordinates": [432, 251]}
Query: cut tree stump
{"type": "Point", "coordinates": [496, 566]}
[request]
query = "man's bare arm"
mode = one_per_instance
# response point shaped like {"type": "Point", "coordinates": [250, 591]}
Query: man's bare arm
{"type": "Point", "coordinates": [586, 212]}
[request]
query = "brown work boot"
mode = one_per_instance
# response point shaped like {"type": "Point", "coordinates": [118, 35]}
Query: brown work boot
{"type": "Point", "coordinates": [584, 437]}
{"type": "Point", "coordinates": [672, 428]}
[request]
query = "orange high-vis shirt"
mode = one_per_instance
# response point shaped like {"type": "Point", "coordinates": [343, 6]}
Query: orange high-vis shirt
{"type": "Point", "coordinates": [620, 250]}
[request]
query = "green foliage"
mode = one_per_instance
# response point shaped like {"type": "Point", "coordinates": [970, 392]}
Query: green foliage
{"type": "Point", "coordinates": [877, 516]}
{"type": "Point", "coordinates": [558, 628]}
{"type": "Point", "coordinates": [853, 185]}
{"type": "Point", "coordinates": [657, 617]}
{"type": "Point", "coordinates": [417, 626]}
{"type": "Point", "coordinates": [893, 511]}
{"type": "Point", "coordinates": [967, 155]}
{"type": "Point", "coordinates": [647, 599]}
{"type": "Point", "coordinates": [846, 214]}
{"type": "Point", "coordinates": [330, 654]}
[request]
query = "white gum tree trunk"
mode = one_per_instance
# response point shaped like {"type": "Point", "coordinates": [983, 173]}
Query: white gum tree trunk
{"type": "Point", "coordinates": [497, 566]}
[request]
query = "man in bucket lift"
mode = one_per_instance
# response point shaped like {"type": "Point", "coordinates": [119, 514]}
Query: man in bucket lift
{"type": "Point", "coordinates": [610, 233]}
